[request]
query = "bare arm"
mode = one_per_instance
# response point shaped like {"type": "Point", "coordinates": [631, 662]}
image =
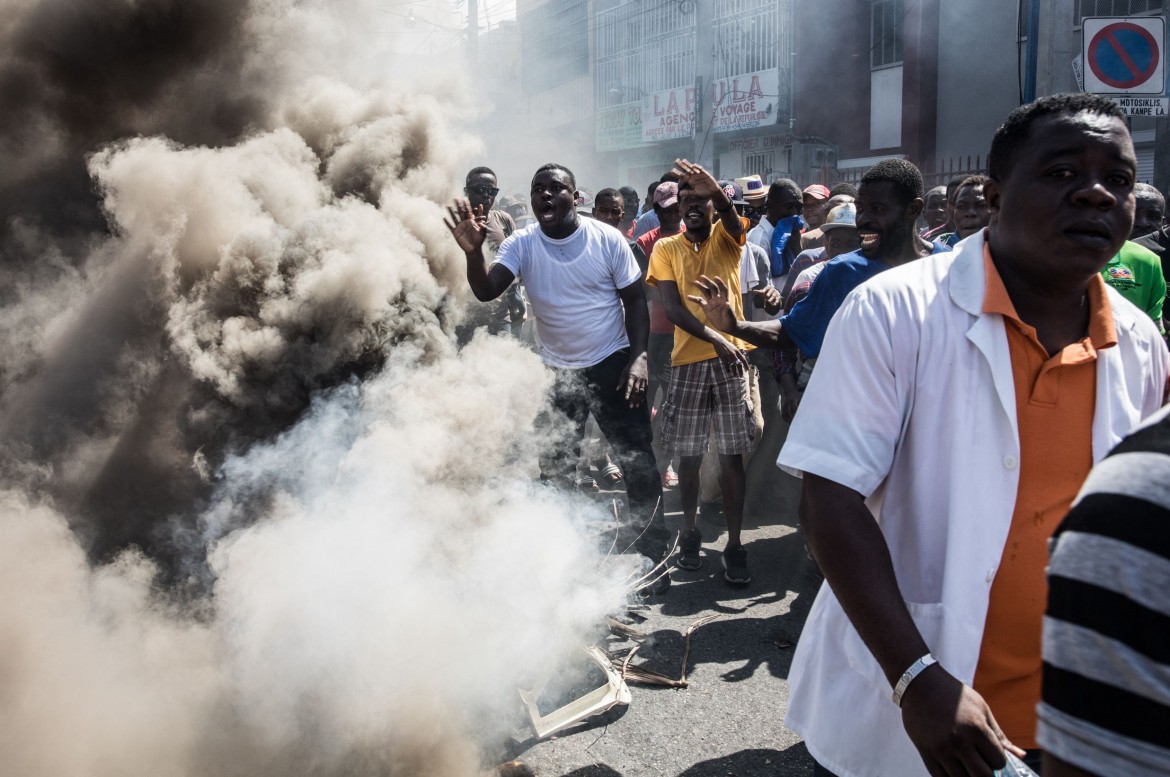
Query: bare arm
{"type": "Point", "coordinates": [947, 721]}
{"type": "Point", "coordinates": [684, 319]}
{"type": "Point", "coordinates": [713, 298]}
{"type": "Point", "coordinates": [469, 229]}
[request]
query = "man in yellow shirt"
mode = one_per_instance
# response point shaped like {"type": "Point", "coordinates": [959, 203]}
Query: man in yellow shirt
{"type": "Point", "coordinates": [708, 381]}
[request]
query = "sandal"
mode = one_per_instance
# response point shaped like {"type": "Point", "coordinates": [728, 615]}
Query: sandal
{"type": "Point", "coordinates": [670, 477]}
{"type": "Point", "coordinates": [587, 483]}
{"type": "Point", "coordinates": [612, 474]}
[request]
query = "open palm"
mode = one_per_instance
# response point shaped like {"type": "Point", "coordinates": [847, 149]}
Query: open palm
{"type": "Point", "coordinates": [468, 225]}
{"type": "Point", "coordinates": [697, 178]}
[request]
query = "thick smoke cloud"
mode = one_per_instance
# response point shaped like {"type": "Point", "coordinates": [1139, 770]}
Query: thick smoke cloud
{"type": "Point", "coordinates": [73, 75]}
{"type": "Point", "coordinates": [374, 620]}
{"type": "Point", "coordinates": [257, 515]}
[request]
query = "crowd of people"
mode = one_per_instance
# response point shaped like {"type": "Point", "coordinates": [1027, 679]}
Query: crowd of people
{"type": "Point", "coordinates": [953, 363]}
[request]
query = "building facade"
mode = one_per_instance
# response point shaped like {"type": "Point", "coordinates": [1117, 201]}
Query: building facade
{"type": "Point", "coordinates": [816, 90]}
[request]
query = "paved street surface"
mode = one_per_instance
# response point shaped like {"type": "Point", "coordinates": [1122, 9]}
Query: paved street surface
{"type": "Point", "coordinates": [729, 720]}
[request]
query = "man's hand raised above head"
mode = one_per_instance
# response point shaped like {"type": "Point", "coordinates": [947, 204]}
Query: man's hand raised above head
{"type": "Point", "coordinates": [467, 224]}
{"type": "Point", "coordinates": [698, 179]}
{"type": "Point", "coordinates": [715, 303]}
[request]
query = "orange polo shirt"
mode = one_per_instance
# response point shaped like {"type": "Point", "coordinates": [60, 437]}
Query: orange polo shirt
{"type": "Point", "coordinates": [1055, 401]}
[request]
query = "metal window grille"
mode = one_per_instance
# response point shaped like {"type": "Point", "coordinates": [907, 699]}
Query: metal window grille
{"type": "Point", "coordinates": [647, 46]}
{"type": "Point", "coordinates": [1117, 8]}
{"type": "Point", "coordinates": [641, 47]}
{"type": "Point", "coordinates": [747, 37]}
{"type": "Point", "coordinates": [759, 163]}
{"type": "Point", "coordinates": [886, 33]}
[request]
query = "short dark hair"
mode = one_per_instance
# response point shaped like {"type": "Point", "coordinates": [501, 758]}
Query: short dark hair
{"type": "Point", "coordinates": [608, 192]}
{"type": "Point", "coordinates": [844, 187]}
{"type": "Point", "coordinates": [1014, 132]}
{"type": "Point", "coordinates": [478, 171]}
{"type": "Point", "coordinates": [784, 185]}
{"type": "Point", "coordinates": [972, 180]}
{"type": "Point", "coordinates": [670, 176]}
{"type": "Point", "coordinates": [652, 188]}
{"type": "Point", "coordinates": [629, 192]}
{"type": "Point", "coordinates": [1146, 190]}
{"type": "Point", "coordinates": [547, 166]}
{"type": "Point", "coordinates": [902, 175]}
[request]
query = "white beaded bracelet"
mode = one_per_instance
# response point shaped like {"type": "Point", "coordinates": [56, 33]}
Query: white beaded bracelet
{"type": "Point", "coordinates": [909, 675]}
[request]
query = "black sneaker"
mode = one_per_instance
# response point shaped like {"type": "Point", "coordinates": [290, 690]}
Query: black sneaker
{"type": "Point", "coordinates": [660, 586]}
{"type": "Point", "coordinates": [689, 545]}
{"type": "Point", "coordinates": [735, 568]}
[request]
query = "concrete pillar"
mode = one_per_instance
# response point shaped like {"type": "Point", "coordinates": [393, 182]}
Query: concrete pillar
{"type": "Point", "coordinates": [704, 79]}
{"type": "Point", "coordinates": [1059, 44]}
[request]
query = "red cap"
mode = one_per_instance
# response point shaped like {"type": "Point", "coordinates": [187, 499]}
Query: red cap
{"type": "Point", "coordinates": [820, 191]}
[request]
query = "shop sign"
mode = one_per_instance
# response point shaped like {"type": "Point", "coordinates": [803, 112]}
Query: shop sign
{"type": "Point", "coordinates": [746, 101]}
{"type": "Point", "coordinates": [619, 127]}
{"type": "Point", "coordinates": [668, 115]}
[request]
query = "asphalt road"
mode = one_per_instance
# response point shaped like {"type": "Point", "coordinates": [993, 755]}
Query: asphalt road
{"type": "Point", "coordinates": [729, 720]}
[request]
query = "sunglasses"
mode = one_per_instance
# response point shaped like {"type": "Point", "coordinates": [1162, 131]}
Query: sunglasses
{"type": "Point", "coordinates": [481, 190]}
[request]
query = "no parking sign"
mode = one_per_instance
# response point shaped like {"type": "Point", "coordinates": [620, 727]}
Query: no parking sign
{"type": "Point", "coordinates": [1125, 55]}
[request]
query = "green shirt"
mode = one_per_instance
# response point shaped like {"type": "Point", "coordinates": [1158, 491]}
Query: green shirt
{"type": "Point", "coordinates": [1136, 273]}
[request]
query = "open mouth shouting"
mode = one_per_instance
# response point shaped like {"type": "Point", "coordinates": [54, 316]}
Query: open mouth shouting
{"type": "Point", "coordinates": [547, 212]}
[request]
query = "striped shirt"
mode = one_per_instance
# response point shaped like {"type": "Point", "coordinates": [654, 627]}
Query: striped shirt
{"type": "Point", "coordinates": [1106, 685]}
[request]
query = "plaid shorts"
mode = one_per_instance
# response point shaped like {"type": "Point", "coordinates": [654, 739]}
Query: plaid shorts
{"type": "Point", "coordinates": [703, 392]}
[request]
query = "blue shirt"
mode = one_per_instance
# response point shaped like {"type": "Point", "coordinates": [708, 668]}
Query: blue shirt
{"type": "Point", "coordinates": [809, 320]}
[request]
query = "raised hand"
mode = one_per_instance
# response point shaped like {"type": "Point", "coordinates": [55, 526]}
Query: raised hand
{"type": "Point", "coordinates": [468, 225]}
{"type": "Point", "coordinates": [697, 178]}
{"type": "Point", "coordinates": [715, 303]}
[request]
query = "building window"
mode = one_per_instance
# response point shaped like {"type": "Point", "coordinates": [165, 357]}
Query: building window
{"type": "Point", "coordinates": [642, 47]}
{"type": "Point", "coordinates": [1117, 8]}
{"type": "Point", "coordinates": [562, 28]}
{"type": "Point", "coordinates": [886, 33]}
{"type": "Point", "coordinates": [759, 163]}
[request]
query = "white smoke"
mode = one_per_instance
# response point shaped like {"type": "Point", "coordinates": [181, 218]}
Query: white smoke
{"type": "Point", "coordinates": [375, 619]}
{"type": "Point", "coordinates": [248, 381]}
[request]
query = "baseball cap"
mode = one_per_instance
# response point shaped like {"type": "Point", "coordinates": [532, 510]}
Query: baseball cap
{"type": "Point", "coordinates": [841, 217]}
{"type": "Point", "coordinates": [753, 188]}
{"type": "Point", "coordinates": [817, 190]}
{"type": "Point", "coordinates": [733, 191]}
{"type": "Point", "coordinates": [666, 194]}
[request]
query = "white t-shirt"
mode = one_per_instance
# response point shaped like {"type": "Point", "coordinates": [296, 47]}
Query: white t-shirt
{"type": "Point", "coordinates": [754, 267]}
{"type": "Point", "coordinates": [761, 235]}
{"type": "Point", "coordinates": [573, 286]}
{"type": "Point", "coordinates": [749, 273]}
